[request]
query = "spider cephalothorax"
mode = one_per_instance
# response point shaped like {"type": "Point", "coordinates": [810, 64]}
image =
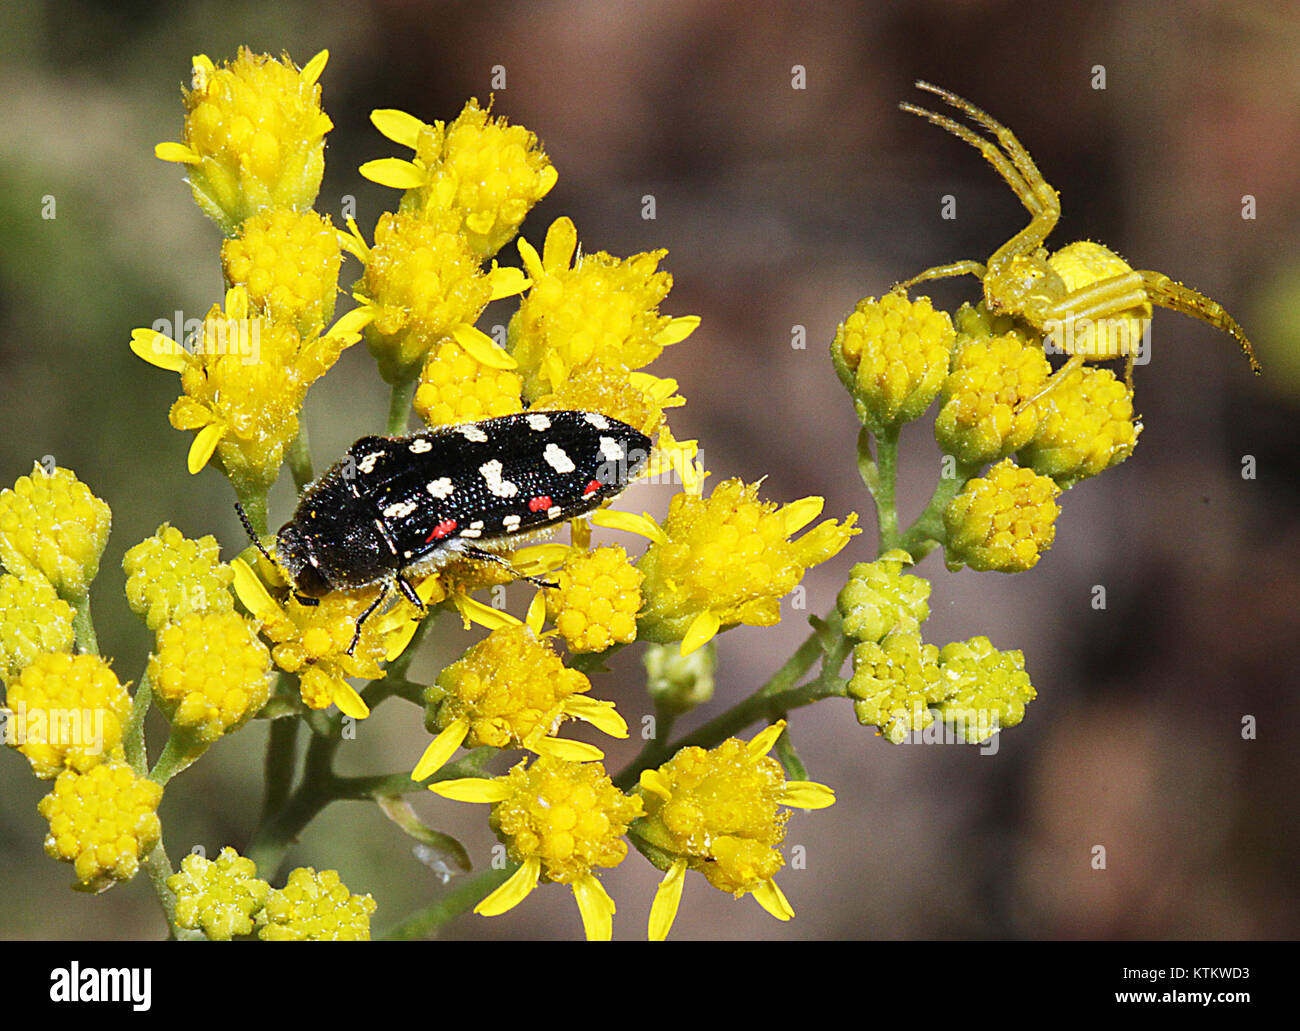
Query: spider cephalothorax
{"type": "Point", "coordinates": [1084, 298]}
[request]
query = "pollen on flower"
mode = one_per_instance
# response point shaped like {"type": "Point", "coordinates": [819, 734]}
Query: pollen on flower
{"type": "Point", "coordinates": [987, 689]}
{"type": "Point", "coordinates": [510, 688]}
{"type": "Point", "coordinates": [218, 897]}
{"type": "Point", "coordinates": [601, 309]}
{"type": "Point", "coordinates": [892, 355]}
{"type": "Point", "coordinates": [880, 598]}
{"type": "Point", "coordinates": [597, 601]}
{"type": "Point", "coordinates": [289, 263]}
{"type": "Point", "coordinates": [567, 815]}
{"type": "Point", "coordinates": [51, 525]}
{"type": "Point", "coordinates": [894, 684]}
{"type": "Point", "coordinates": [315, 907]}
{"type": "Point", "coordinates": [103, 822]}
{"type": "Point", "coordinates": [983, 415]}
{"type": "Point", "coordinates": [70, 711]}
{"type": "Point", "coordinates": [210, 673]}
{"type": "Point", "coordinates": [254, 137]}
{"type": "Point", "coordinates": [170, 576]}
{"type": "Point", "coordinates": [422, 280]}
{"type": "Point", "coordinates": [1002, 521]}
{"type": "Point", "coordinates": [34, 620]}
{"type": "Point", "coordinates": [730, 555]}
{"type": "Point", "coordinates": [1087, 427]}
{"type": "Point", "coordinates": [455, 387]}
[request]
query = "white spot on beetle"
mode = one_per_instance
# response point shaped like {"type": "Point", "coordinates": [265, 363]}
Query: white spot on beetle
{"type": "Point", "coordinates": [472, 433]}
{"type": "Point", "coordinates": [599, 421]}
{"type": "Point", "coordinates": [553, 512]}
{"type": "Point", "coordinates": [400, 509]}
{"type": "Point", "coordinates": [442, 487]}
{"type": "Point", "coordinates": [539, 422]}
{"type": "Point", "coordinates": [511, 523]}
{"type": "Point", "coordinates": [420, 445]}
{"type": "Point", "coordinates": [492, 477]}
{"type": "Point", "coordinates": [611, 449]}
{"type": "Point", "coordinates": [367, 464]}
{"type": "Point", "coordinates": [557, 459]}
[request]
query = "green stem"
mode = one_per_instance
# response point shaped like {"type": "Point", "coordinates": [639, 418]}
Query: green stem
{"type": "Point", "coordinates": [885, 493]}
{"type": "Point", "coordinates": [928, 532]}
{"type": "Point", "coordinates": [176, 755]}
{"type": "Point", "coordinates": [83, 626]}
{"type": "Point", "coordinates": [254, 505]}
{"type": "Point", "coordinates": [281, 757]}
{"type": "Point", "coordinates": [133, 733]}
{"type": "Point", "coordinates": [399, 405]}
{"type": "Point", "coordinates": [467, 893]}
{"type": "Point", "coordinates": [159, 868]}
{"type": "Point", "coordinates": [299, 458]}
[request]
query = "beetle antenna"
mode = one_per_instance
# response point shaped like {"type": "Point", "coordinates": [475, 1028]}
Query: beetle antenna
{"type": "Point", "coordinates": [257, 541]}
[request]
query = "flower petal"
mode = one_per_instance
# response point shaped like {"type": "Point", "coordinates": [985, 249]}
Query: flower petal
{"type": "Point", "coordinates": [536, 612]}
{"type": "Point", "coordinates": [472, 611]}
{"type": "Point", "coordinates": [531, 259]}
{"type": "Point", "coordinates": [600, 714]}
{"type": "Point", "coordinates": [177, 152]}
{"type": "Point", "coordinates": [770, 897]}
{"type": "Point", "coordinates": [569, 751]}
{"type": "Point", "coordinates": [561, 242]}
{"type": "Point", "coordinates": [506, 281]}
{"type": "Point", "coordinates": [252, 592]}
{"type": "Point", "coordinates": [596, 907]}
{"type": "Point", "coordinates": [514, 891]}
{"type": "Point", "coordinates": [548, 177]}
{"type": "Point", "coordinates": [764, 740]}
{"type": "Point", "coordinates": [349, 702]}
{"type": "Point", "coordinates": [313, 68]}
{"type": "Point", "coordinates": [442, 748]}
{"type": "Point", "coordinates": [798, 514]}
{"type": "Point", "coordinates": [703, 629]}
{"type": "Point", "coordinates": [352, 322]}
{"type": "Point", "coordinates": [482, 348]}
{"type": "Point", "coordinates": [656, 783]}
{"type": "Point", "coordinates": [158, 349]}
{"type": "Point", "coordinates": [668, 897]}
{"type": "Point", "coordinates": [398, 126]}
{"type": "Point", "coordinates": [394, 172]}
{"type": "Point", "coordinates": [205, 442]}
{"type": "Point", "coordinates": [613, 519]}
{"type": "Point", "coordinates": [677, 330]}
{"type": "Point", "coordinates": [807, 794]}
{"type": "Point", "coordinates": [472, 789]}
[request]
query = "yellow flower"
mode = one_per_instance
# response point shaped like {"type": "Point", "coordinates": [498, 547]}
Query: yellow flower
{"type": "Point", "coordinates": [169, 576]}
{"type": "Point", "coordinates": [1002, 521]}
{"type": "Point", "coordinates": [718, 812]}
{"type": "Point", "coordinates": [987, 689]}
{"type": "Point", "coordinates": [288, 261]}
{"type": "Point", "coordinates": [598, 597]}
{"type": "Point", "coordinates": [559, 820]}
{"type": "Point", "coordinates": [34, 620]}
{"type": "Point", "coordinates": [510, 690]}
{"type": "Point", "coordinates": [724, 560]}
{"type": "Point", "coordinates": [69, 711]}
{"type": "Point", "coordinates": [218, 897]}
{"type": "Point", "coordinates": [211, 675]}
{"type": "Point", "coordinates": [1087, 426]}
{"type": "Point", "coordinates": [254, 136]}
{"type": "Point", "coordinates": [423, 285]}
{"type": "Point", "coordinates": [880, 598]}
{"type": "Point", "coordinates": [599, 309]}
{"type": "Point", "coordinates": [895, 682]}
{"type": "Point", "coordinates": [983, 415]}
{"type": "Point", "coordinates": [485, 171]}
{"type": "Point", "coordinates": [103, 822]}
{"type": "Point", "coordinates": [243, 386]}
{"type": "Point", "coordinates": [315, 907]}
{"type": "Point", "coordinates": [892, 356]}
{"type": "Point", "coordinates": [313, 640]}
{"type": "Point", "coordinates": [51, 525]}
{"type": "Point", "coordinates": [455, 387]}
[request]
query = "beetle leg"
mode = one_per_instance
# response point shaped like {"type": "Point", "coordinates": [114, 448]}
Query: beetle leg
{"type": "Point", "coordinates": [356, 636]}
{"type": "Point", "coordinates": [488, 556]}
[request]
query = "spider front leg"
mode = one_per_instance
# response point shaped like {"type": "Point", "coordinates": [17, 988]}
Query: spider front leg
{"type": "Point", "coordinates": [1167, 293]}
{"type": "Point", "coordinates": [957, 268]}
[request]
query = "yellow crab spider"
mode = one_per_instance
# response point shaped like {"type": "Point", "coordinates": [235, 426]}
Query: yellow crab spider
{"type": "Point", "coordinates": [1083, 285]}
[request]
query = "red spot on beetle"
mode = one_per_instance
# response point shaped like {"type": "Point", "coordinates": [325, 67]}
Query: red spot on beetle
{"type": "Point", "coordinates": [539, 504]}
{"type": "Point", "coordinates": [591, 488]}
{"type": "Point", "coordinates": [441, 530]}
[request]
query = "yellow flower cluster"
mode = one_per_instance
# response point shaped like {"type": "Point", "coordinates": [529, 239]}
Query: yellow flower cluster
{"type": "Point", "coordinates": [984, 412]}
{"type": "Point", "coordinates": [1087, 426]}
{"type": "Point", "coordinates": [598, 596]}
{"type": "Point", "coordinates": [210, 674]}
{"type": "Point", "coordinates": [103, 822]}
{"type": "Point", "coordinates": [892, 356]}
{"type": "Point", "coordinates": [315, 907]}
{"type": "Point", "coordinates": [52, 526]}
{"type": "Point", "coordinates": [218, 897]}
{"type": "Point", "coordinates": [987, 689]}
{"type": "Point", "coordinates": [455, 387]}
{"type": "Point", "coordinates": [895, 681]}
{"type": "Point", "coordinates": [34, 620]}
{"type": "Point", "coordinates": [879, 598]}
{"type": "Point", "coordinates": [71, 710]}
{"type": "Point", "coordinates": [169, 576]}
{"type": "Point", "coordinates": [1002, 521]}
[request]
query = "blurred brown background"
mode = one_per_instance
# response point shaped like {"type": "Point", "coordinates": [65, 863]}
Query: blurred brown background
{"type": "Point", "coordinates": [780, 207]}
